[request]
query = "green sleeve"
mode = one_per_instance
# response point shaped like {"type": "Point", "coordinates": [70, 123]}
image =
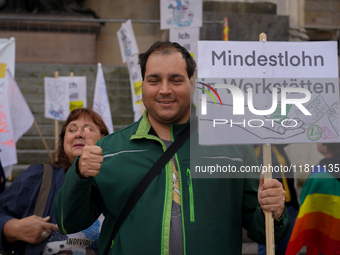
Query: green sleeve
{"type": "Point", "coordinates": [253, 221]}
{"type": "Point", "coordinates": [74, 206]}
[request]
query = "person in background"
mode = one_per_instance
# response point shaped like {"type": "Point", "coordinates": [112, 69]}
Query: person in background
{"type": "Point", "coordinates": [176, 214]}
{"type": "Point", "coordinates": [280, 158]}
{"type": "Point", "coordinates": [25, 233]}
{"type": "Point", "coordinates": [318, 222]}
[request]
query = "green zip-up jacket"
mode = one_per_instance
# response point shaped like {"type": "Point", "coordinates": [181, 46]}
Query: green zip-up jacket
{"type": "Point", "coordinates": [213, 210]}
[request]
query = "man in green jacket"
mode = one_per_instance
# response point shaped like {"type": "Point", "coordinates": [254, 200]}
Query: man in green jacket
{"type": "Point", "coordinates": [176, 214]}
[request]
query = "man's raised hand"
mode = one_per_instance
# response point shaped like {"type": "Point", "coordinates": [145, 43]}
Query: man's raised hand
{"type": "Point", "coordinates": [90, 158]}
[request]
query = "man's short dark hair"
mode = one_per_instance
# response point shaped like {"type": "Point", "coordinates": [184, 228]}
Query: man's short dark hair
{"type": "Point", "coordinates": [333, 147]}
{"type": "Point", "coordinates": [165, 48]}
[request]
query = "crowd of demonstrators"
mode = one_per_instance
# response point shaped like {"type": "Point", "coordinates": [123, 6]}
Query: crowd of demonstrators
{"type": "Point", "coordinates": [176, 214]}
{"type": "Point", "coordinates": [318, 222]}
{"type": "Point", "coordinates": [25, 233]}
{"type": "Point", "coordinates": [280, 158]}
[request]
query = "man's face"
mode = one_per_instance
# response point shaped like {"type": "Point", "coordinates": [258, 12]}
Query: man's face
{"type": "Point", "coordinates": [166, 89]}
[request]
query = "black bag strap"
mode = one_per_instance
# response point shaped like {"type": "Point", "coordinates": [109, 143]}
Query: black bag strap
{"type": "Point", "coordinates": [44, 191]}
{"type": "Point", "coordinates": [148, 178]}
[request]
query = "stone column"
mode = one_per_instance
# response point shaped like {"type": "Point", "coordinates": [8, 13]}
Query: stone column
{"type": "Point", "coordinates": [295, 9]}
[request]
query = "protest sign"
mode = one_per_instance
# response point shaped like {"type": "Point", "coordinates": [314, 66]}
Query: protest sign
{"type": "Point", "coordinates": [127, 41]}
{"type": "Point", "coordinates": [77, 90]}
{"type": "Point", "coordinates": [272, 92]}
{"type": "Point", "coordinates": [178, 13]}
{"type": "Point", "coordinates": [187, 37]}
{"type": "Point", "coordinates": [57, 98]}
{"type": "Point", "coordinates": [136, 85]}
{"type": "Point", "coordinates": [64, 94]}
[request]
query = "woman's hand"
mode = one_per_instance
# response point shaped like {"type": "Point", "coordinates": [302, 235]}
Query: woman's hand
{"type": "Point", "coordinates": [28, 229]}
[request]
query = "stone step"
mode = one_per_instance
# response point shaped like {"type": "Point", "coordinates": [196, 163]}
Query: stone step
{"type": "Point", "coordinates": [35, 142]}
{"type": "Point", "coordinates": [47, 129]}
{"type": "Point", "coordinates": [16, 170]}
{"type": "Point", "coordinates": [33, 156]}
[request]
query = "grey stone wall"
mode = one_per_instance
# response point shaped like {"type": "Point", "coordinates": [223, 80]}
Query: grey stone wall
{"type": "Point", "coordinates": [246, 27]}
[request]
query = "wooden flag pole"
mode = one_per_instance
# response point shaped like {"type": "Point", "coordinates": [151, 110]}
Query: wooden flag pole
{"type": "Point", "coordinates": [267, 161]}
{"type": "Point", "coordinates": [44, 142]}
{"type": "Point", "coordinates": [56, 122]}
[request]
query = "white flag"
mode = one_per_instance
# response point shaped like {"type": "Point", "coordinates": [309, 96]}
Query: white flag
{"type": "Point", "coordinates": [101, 101]}
{"type": "Point", "coordinates": [15, 119]}
{"type": "Point", "coordinates": [7, 59]}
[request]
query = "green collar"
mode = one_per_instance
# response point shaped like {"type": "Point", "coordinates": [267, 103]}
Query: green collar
{"type": "Point", "coordinates": [144, 127]}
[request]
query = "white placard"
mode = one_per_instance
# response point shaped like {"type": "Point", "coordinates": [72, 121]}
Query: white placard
{"type": "Point", "coordinates": [187, 37]}
{"type": "Point", "coordinates": [279, 106]}
{"type": "Point", "coordinates": [221, 59]}
{"type": "Point", "coordinates": [135, 82]}
{"type": "Point", "coordinates": [127, 41]}
{"type": "Point", "coordinates": [57, 98]}
{"type": "Point", "coordinates": [77, 90]}
{"type": "Point", "coordinates": [181, 13]}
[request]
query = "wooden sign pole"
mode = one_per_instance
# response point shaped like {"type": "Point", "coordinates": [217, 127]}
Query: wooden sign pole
{"type": "Point", "coordinates": [56, 122]}
{"type": "Point", "coordinates": [44, 142]}
{"type": "Point", "coordinates": [267, 161]}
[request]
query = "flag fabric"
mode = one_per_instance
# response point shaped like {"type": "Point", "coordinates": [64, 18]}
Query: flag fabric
{"type": "Point", "coordinates": [318, 222]}
{"type": "Point", "coordinates": [15, 119]}
{"type": "Point", "coordinates": [101, 101]}
{"type": "Point", "coordinates": [7, 53]}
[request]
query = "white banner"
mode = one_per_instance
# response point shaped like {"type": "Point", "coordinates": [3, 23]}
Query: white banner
{"type": "Point", "coordinates": [281, 108]}
{"type": "Point", "coordinates": [7, 59]}
{"type": "Point", "coordinates": [177, 13]}
{"type": "Point", "coordinates": [57, 98]}
{"type": "Point", "coordinates": [135, 84]}
{"type": "Point", "coordinates": [15, 117]}
{"type": "Point", "coordinates": [127, 41]}
{"type": "Point", "coordinates": [226, 59]}
{"type": "Point", "coordinates": [101, 101]}
{"type": "Point", "coordinates": [187, 37]}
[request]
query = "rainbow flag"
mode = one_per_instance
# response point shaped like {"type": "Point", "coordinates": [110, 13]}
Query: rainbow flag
{"type": "Point", "coordinates": [318, 222]}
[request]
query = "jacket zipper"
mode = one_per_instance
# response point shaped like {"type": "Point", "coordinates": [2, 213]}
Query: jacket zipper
{"type": "Point", "coordinates": [181, 190]}
{"type": "Point", "coordinates": [191, 196]}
